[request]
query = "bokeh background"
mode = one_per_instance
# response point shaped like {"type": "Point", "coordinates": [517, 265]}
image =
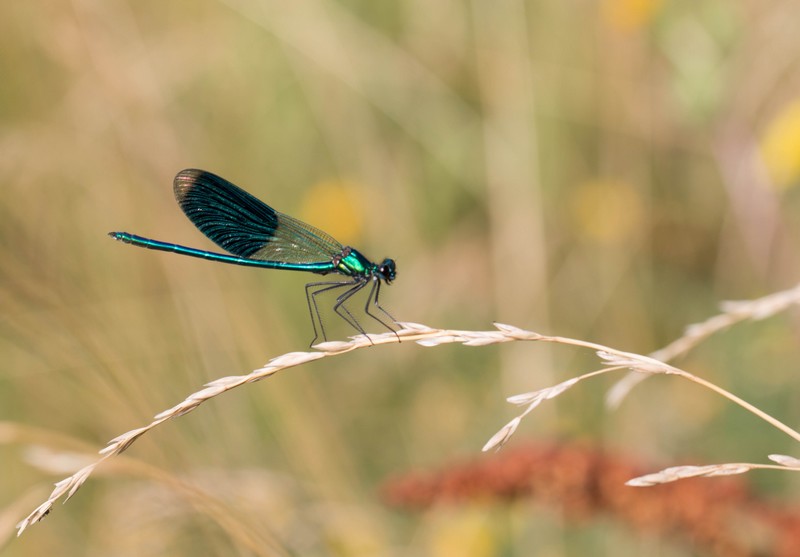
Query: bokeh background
{"type": "Point", "coordinates": [608, 170]}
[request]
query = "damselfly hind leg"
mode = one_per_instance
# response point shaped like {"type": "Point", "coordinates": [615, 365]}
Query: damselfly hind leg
{"type": "Point", "coordinates": [339, 307]}
{"type": "Point", "coordinates": [313, 310]}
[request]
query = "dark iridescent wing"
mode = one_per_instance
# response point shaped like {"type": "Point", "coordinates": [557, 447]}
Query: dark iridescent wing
{"type": "Point", "coordinates": [245, 226]}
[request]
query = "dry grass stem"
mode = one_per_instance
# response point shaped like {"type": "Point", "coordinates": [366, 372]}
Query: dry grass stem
{"type": "Point", "coordinates": [675, 473]}
{"type": "Point", "coordinates": [532, 400]}
{"type": "Point", "coordinates": [422, 335]}
{"type": "Point", "coordinates": [617, 359]}
{"type": "Point", "coordinates": [785, 460]}
{"type": "Point", "coordinates": [733, 312]}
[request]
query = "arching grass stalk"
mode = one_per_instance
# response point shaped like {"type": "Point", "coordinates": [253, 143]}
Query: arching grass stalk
{"type": "Point", "coordinates": [428, 336]}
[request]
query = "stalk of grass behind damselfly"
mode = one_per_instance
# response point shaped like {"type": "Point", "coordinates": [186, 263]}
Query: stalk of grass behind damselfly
{"type": "Point", "coordinates": [424, 336]}
{"type": "Point", "coordinates": [733, 312]}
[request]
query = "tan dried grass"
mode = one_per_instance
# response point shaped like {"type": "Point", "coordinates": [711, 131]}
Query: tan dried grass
{"type": "Point", "coordinates": [642, 366]}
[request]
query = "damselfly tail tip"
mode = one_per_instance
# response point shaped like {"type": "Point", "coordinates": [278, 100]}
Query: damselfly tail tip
{"type": "Point", "coordinates": [121, 236]}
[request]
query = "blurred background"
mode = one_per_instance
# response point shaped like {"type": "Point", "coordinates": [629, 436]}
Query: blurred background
{"type": "Point", "coordinates": [608, 170]}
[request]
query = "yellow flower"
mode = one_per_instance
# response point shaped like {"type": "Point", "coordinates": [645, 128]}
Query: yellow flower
{"type": "Point", "coordinates": [607, 211]}
{"type": "Point", "coordinates": [464, 534]}
{"type": "Point", "coordinates": [780, 146]}
{"type": "Point", "coordinates": [626, 15]}
{"type": "Point", "coordinates": [334, 206]}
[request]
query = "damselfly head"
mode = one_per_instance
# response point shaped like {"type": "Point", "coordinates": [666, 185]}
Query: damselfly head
{"type": "Point", "coordinates": [387, 270]}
